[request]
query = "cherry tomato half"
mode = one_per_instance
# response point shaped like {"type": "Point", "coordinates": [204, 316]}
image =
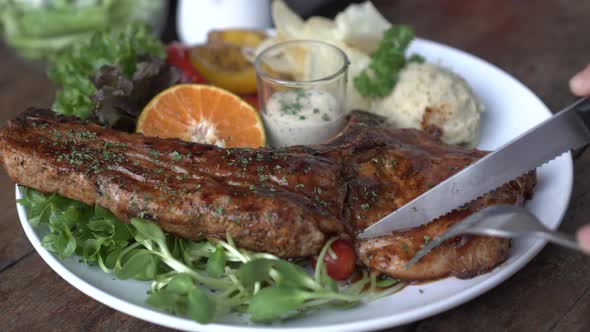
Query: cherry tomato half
{"type": "Point", "coordinates": [343, 265]}
{"type": "Point", "coordinates": [175, 52]}
{"type": "Point", "coordinates": [251, 99]}
{"type": "Point", "coordinates": [177, 55]}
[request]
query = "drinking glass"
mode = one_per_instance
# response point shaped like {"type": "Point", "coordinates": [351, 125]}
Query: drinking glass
{"type": "Point", "coordinates": [302, 91]}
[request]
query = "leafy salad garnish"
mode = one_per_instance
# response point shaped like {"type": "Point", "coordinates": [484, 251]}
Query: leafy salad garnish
{"type": "Point", "coordinates": [38, 28]}
{"type": "Point", "coordinates": [111, 76]}
{"type": "Point", "coordinates": [202, 280]}
{"type": "Point", "coordinates": [386, 62]}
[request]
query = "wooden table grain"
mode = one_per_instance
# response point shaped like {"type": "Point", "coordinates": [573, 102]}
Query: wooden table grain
{"type": "Point", "coordinates": [542, 43]}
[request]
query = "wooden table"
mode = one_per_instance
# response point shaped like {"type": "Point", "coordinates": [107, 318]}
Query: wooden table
{"type": "Point", "coordinates": [542, 43]}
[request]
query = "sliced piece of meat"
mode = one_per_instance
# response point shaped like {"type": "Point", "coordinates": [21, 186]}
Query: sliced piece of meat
{"type": "Point", "coordinates": [463, 256]}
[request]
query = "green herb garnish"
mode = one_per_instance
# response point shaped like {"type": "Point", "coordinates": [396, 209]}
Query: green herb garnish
{"type": "Point", "coordinates": [153, 154]}
{"type": "Point", "coordinates": [199, 280]}
{"type": "Point", "coordinates": [176, 156]}
{"type": "Point", "coordinates": [405, 247]}
{"type": "Point", "coordinates": [74, 68]}
{"type": "Point", "coordinates": [386, 63]}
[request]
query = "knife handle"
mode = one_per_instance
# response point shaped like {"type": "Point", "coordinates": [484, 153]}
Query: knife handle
{"type": "Point", "coordinates": [582, 107]}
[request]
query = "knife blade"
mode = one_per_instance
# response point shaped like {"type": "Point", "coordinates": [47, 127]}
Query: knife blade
{"type": "Point", "coordinates": [568, 129]}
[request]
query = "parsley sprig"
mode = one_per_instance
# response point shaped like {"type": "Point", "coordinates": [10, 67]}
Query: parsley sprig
{"type": "Point", "coordinates": [386, 63]}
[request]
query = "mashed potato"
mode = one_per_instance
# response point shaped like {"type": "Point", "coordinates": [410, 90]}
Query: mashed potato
{"type": "Point", "coordinates": [432, 98]}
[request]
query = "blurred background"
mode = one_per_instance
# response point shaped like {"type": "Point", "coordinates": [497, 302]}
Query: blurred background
{"type": "Point", "coordinates": [38, 28]}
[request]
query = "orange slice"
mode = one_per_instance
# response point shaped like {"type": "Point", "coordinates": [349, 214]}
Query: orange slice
{"type": "Point", "coordinates": [203, 114]}
{"type": "Point", "coordinates": [224, 65]}
{"type": "Point", "coordinates": [239, 37]}
{"type": "Point", "coordinates": [222, 61]}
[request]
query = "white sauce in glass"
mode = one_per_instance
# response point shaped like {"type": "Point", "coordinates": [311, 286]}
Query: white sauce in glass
{"type": "Point", "coordinates": [302, 116]}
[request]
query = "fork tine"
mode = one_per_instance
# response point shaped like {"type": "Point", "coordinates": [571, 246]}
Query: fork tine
{"type": "Point", "coordinates": [455, 230]}
{"type": "Point", "coordinates": [458, 228]}
{"type": "Point", "coordinates": [499, 221]}
{"type": "Point", "coordinates": [426, 249]}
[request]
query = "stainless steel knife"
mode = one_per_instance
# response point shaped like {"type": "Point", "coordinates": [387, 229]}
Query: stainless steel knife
{"type": "Point", "coordinates": [568, 129]}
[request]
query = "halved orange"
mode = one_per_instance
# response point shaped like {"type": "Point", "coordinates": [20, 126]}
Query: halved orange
{"type": "Point", "coordinates": [225, 66]}
{"type": "Point", "coordinates": [240, 37]}
{"type": "Point", "coordinates": [203, 114]}
{"type": "Point", "coordinates": [221, 61]}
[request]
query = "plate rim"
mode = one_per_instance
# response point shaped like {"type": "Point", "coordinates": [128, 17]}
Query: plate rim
{"type": "Point", "coordinates": [163, 319]}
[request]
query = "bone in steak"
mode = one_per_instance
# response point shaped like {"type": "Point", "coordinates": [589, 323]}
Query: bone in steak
{"type": "Point", "coordinates": [286, 201]}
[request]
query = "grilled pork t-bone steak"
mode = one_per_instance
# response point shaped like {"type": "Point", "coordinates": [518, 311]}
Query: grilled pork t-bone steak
{"type": "Point", "coordinates": [286, 201]}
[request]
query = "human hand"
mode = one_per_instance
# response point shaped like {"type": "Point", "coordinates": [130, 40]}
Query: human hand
{"type": "Point", "coordinates": [580, 83]}
{"type": "Point", "coordinates": [580, 86]}
{"type": "Point", "coordinates": [583, 237]}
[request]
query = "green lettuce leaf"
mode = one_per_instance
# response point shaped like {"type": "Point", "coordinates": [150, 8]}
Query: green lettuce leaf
{"type": "Point", "coordinates": [76, 228]}
{"type": "Point", "coordinates": [75, 66]}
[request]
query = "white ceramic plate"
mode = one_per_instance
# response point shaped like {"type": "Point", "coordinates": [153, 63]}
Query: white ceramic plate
{"type": "Point", "coordinates": [511, 109]}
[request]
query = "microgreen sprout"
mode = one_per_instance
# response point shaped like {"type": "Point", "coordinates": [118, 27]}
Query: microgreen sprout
{"type": "Point", "coordinates": [201, 280]}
